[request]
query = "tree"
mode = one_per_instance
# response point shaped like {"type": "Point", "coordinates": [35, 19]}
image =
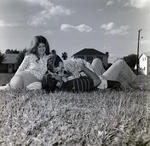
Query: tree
{"type": "Point", "coordinates": [8, 51]}
{"type": "Point", "coordinates": [16, 52]}
{"type": "Point", "coordinates": [2, 58]}
{"type": "Point", "coordinates": [64, 56]}
{"type": "Point", "coordinates": [21, 56]}
{"type": "Point", "coordinates": [131, 60]}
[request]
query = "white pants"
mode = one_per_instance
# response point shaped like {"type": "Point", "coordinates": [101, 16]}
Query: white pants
{"type": "Point", "coordinates": [97, 66]}
{"type": "Point", "coordinates": [22, 80]}
{"type": "Point", "coordinates": [117, 72]}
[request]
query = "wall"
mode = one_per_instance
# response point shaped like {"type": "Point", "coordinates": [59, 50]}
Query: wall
{"type": "Point", "coordinates": [143, 63]}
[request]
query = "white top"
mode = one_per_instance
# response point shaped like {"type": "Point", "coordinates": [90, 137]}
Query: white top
{"type": "Point", "coordinates": [74, 66]}
{"type": "Point", "coordinates": [34, 66]}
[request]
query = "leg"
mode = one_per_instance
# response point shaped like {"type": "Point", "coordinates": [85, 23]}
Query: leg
{"type": "Point", "coordinates": [16, 82]}
{"type": "Point", "coordinates": [20, 80]}
{"type": "Point", "coordinates": [98, 66]}
{"type": "Point", "coordinates": [119, 71]}
{"type": "Point", "coordinates": [5, 88]}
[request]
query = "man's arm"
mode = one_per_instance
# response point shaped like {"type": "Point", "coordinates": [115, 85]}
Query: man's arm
{"type": "Point", "coordinates": [91, 75]}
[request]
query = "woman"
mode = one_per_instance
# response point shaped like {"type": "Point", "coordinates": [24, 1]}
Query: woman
{"type": "Point", "coordinates": [33, 67]}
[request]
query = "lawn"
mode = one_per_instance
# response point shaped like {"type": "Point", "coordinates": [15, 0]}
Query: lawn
{"type": "Point", "coordinates": [5, 78]}
{"type": "Point", "coordinates": [98, 118]}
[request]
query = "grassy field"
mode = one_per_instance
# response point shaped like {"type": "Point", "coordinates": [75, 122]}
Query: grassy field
{"type": "Point", "coordinates": [98, 118]}
{"type": "Point", "coordinates": [5, 78]}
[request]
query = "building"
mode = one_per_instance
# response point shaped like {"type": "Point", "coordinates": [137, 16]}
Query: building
{"type": "Point", "coordinates": [144, 63]}
{"type": "Point", "coordinates": [9, 65]}
{"type": "Point", "coordinates": [89, 54]}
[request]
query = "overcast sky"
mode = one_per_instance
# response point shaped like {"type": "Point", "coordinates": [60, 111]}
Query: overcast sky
{"type": "Point", "coordinates": [71, 25]}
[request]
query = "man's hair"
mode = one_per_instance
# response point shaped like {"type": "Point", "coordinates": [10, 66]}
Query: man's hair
{"type": "Point", "coordinates": [131, 60]}
{"type": "Point", "coordinates": [50, 62]}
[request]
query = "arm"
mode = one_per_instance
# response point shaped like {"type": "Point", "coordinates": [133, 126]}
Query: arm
{"type": "Point", "coordinates": [91, 75]}
{"type": "Point", "coordinates": [70, 66]}
{"type": "Point", "coordinates": [24, 64]}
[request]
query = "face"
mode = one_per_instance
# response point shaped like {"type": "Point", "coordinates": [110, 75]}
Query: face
{"type": "Point", "coordinates": [41, 49]}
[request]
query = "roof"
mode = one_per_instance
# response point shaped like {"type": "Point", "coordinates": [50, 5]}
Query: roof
{"type": "Point", "coordinates": [89, 51]}
{"type": "Point", "coordinates": [147, 54]}
{"type": "Point", "coordinates": [10, 58]}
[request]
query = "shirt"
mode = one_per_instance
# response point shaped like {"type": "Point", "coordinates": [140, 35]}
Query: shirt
{"type": "Point", "coordinates": [74, 66]}
{"type": "Point", "coordinates": [34, 66]}
{"type": "Point", "coordinates": [81, 84]}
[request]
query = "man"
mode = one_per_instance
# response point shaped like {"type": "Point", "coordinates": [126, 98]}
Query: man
{"type": "Point", "coordinates": [78, 82]}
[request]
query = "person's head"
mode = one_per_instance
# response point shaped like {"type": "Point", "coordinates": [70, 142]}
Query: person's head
{"type": "Point", "coordinates": [131, 60]}
{"type": "Point", "coordinates": [54, 52]}
{"type": "Point", "coordinates": [39, 45]}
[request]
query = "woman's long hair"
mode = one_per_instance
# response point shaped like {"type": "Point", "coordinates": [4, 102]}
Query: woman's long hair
{"type": "Point", "coordinates": [35, 43]}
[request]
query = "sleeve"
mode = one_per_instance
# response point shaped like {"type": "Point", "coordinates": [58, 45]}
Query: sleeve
{"type": "Point", "coordinates": [24, 64]}
{"type": "Point", "coordinates": [70, 67]}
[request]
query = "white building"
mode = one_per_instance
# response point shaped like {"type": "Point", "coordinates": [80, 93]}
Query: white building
{"type": "Point", "coordinates": [144, 63]}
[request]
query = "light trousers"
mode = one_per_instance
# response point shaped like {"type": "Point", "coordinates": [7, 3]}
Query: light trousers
{"type": "Point", "coordinates": [118, 71]}
{"type": "Point", "coordinates": [97, 66]}
{"type": "Point", "coordinates": [22, 80]}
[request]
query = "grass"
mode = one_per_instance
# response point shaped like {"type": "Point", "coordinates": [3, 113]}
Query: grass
{"type": "Point", "coordinates": [5, 78]}
{"type": "Point", "coordinates": [98, 118]}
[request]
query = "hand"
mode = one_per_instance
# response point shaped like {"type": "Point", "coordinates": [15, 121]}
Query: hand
{"type": "Point", "coordinates": [57, 69]}
{"type": "Point", "coordinates": [82, 66]}
{"type": "Point", "coordinates": [56, 76]}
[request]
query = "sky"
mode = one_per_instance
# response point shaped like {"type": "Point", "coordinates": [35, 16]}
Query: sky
{"type": "Point", "coordinates": [72, 25]}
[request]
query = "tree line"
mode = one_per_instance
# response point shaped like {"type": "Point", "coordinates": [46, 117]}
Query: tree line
{"type": "Point", "coordinates": [131, 59]}
{"type": "Point", "coordinates": [21, 55]}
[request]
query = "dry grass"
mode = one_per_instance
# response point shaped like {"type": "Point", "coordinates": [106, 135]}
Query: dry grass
{"type": "Point", "coordinates": [99, 118]}
{"type": "Point", "coordinates": [96, 118]}
{"type": "Point", "coordinates": [5, 78]}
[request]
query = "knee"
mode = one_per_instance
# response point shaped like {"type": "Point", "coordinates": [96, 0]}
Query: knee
{"type": "Point", "coordinates": [16, 83]}
{"type": "Point", "coordinates": [95, 60]}
{"type": "Point", "coordinates": [120, 61]}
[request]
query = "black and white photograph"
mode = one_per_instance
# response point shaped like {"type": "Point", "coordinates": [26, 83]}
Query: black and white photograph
{"type": "Point", "coordinates": [75, 72]}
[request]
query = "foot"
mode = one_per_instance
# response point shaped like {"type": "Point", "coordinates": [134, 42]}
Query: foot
{"type": "Point", "coordinates": [145, 87]}
{"type": "Point", "coordinates": [5, 88]}
{"type": "Point", "coordinates": [114, 85]}
{"type": "Point", "coordinates": [134, 85]}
